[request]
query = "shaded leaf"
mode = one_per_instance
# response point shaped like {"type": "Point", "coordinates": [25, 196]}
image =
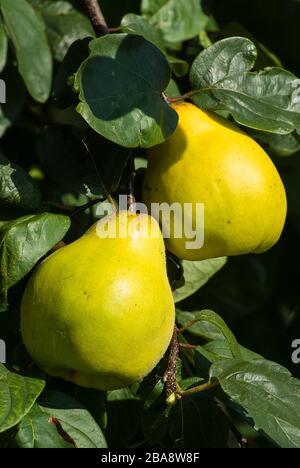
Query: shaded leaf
{"type": "Point", "coordinates": [17, 188]}
{"type": "Point", "coordinates": [25, 241]}
{"type": "Point", "coordinates": [267, 100]}
{"type": "Point", "coordinates": [198, 423]}
{"type": "Point", "coordinates": [196, 274]}
{"type": "Point", "coordinates": [120, 88]}
{"type": "Point", "coordinates": [27, 32]}
{"type": "Point", "coordinates": [268, 394]}
{"type": "Point", "coordinates": [63, 93]}
{"type": "Point", "coordinates": [279, 145]}
{"type": "Point", "coordinates": [122, 407]}
{"type": "Point", "coordinates": [17, 395]}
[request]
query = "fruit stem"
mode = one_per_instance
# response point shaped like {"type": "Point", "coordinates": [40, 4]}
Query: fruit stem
{"type": "Point", "coordinates": [180, 98]}
{"type": "Point", "coordinates": [97, 18]}
{"type": "Point", "coordinates": [200, 388]}
{"type": "Point", "coordinates": [187, 326]}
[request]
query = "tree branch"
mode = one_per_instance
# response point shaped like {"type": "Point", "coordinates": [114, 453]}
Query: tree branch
{"type": "Point", "coordinates": [170, 377]}
{"type": "Point", "coordinates": [96, 17]}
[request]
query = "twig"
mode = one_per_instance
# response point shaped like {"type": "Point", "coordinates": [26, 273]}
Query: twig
{"type": "Point", "coordinates": [96, 17]}
{"type": "Point", "coordinates": [186, 326]}
{"type": "Point", "coordinates": [188, 346]}
{"type": "Point", "coordinates": [198, 389]}
{"type": "Point", "coordinates": [180, 98]}
{"type": "Point", "coordinates": [170, 377]}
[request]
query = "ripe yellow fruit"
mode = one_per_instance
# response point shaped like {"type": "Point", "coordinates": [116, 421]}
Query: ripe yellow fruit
{"type": "Point", "coordinates": [100, 312]}
{"type": "Point", "coordinates": [211, 161]}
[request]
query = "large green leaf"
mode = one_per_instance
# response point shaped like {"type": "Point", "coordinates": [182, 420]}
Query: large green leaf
{"type": "Point", "coordinates": [58, 421]}
{"type": "Point", "coordinates": [120, 88]}
{"type": "Point", "coordinates": [196, 275]}
{"type": "Point", "coordinates": [17, 188]}
{"type": "Point", "coordinates": [23, 242]}
{"type": "Point", "coordinates": [222, 80]}
{"type": "Point", "coordinates": [64, 24]}
{"type": "Point", "coordinates": [27, 33]}
{"type": "Point", "coordinates": [269, 395]}
{"type": "Point", "coordinates": [178, 20]}
{"type": "Point", "coordinates": [3, 46]}
{"type": "Point", "coordinates": [17, 395]}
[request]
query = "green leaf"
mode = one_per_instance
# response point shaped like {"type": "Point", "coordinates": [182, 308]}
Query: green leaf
{"type": "Point", "coordinates": [58, 421]}
{"type": "Point", "coordinates": [135, 24]}
{"type": "Point", "coordinates": [198, 423]}
{"type": "Point", "coordinates": [279, 145]}
{"type": "Point", "coordinates": [222, 80]}
{"type": "Point", "coordinates": [201, 329]}
{"type": "Point", "coordinates": [172, 90]}
{"type": "Point", "coordinates": [120, 88]}
{"type": "Point", "coordinates": [64, 24]}
{"type": "Point", "coordinates": [196, 275]}
{"type": "Point", "coordinates": [219, 350]}
{"type": "Point", "coordinates": [179, 20]}
{"type": "Point", "coordinates": [17, 188]}
{"type": "Point", "coordinates": [25, 241]}
{"type": "Point", "coordinates": [149, 7]}
{"type": "Point", "coordinates": [27, 33]}
{"type": "Point", "coordinates": [269, 395]}
{"type": "Point", "coordinates": [3, 46]}
{"type": "Point", "coordinates": [17, 395]}
{"type": "Point", "coordinates": [37, 431]}
{"type": "Point", "coordinates": [15, 98]}
{"type": "Point", "coordinates": [218, 323]}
